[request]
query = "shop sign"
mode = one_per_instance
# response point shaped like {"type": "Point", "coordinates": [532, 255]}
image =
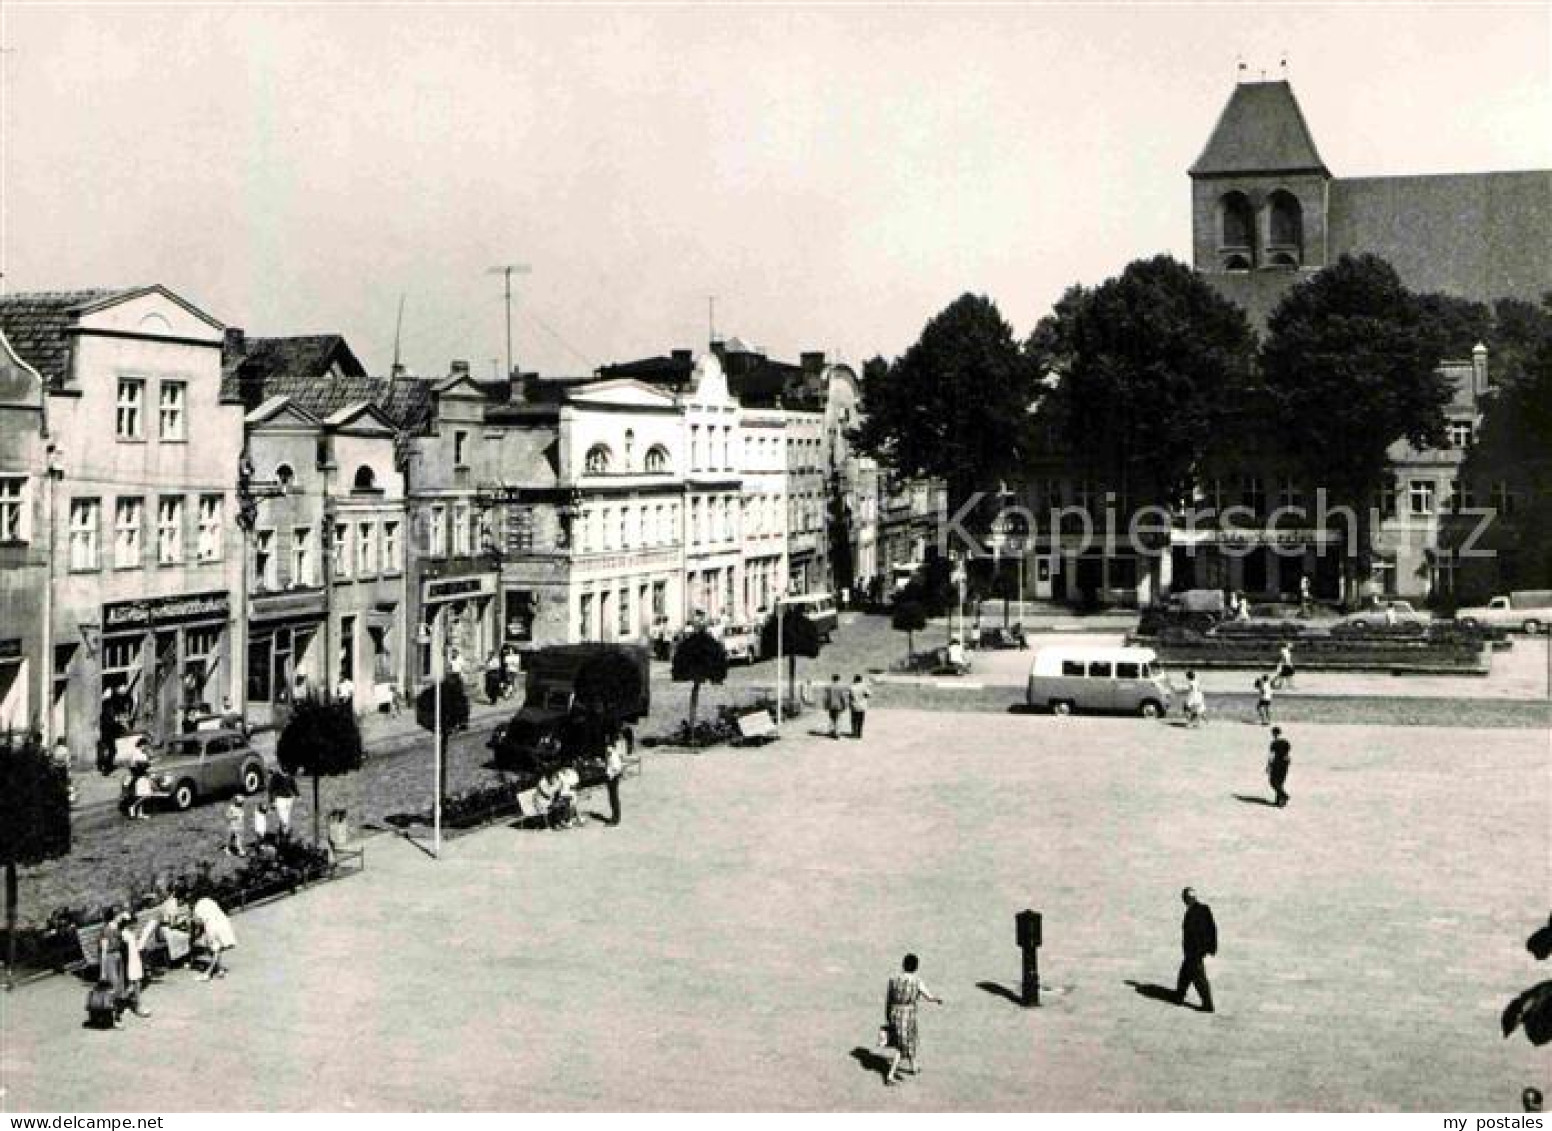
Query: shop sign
{"type": "Point", "coordinates": [460, 587]}
{"type": "Point", "coordinates": [159, 611]}
{"type": "Point", "coordinates": [279, 606]}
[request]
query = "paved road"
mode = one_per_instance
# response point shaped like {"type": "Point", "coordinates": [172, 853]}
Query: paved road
{"type": "Point", "coordinates": [726, 947]}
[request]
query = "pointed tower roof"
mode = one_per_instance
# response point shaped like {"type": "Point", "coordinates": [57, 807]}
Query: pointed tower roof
{"type": "Point", "coordinates": [1261, 130]}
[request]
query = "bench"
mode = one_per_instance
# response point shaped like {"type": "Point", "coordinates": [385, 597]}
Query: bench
{"type": "Point", "coordinates": [756, 729]}
{"type": "Point", "coordinates": [177, 947]}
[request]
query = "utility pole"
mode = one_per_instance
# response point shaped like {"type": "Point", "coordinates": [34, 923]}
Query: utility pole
{"type": "Point", "coordinates": [507, 270]}
{"type": "Point", "coordinates": [711, 320]}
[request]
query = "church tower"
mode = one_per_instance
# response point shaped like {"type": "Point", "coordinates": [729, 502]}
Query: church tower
{"type": "Point", "coordinates": [1260, 193]}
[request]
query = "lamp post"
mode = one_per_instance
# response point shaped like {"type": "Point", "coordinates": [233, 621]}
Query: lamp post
{"type": "Point", "coordinates": [433, 636]}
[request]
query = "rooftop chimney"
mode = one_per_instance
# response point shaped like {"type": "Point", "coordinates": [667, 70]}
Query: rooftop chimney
{"type": "Point", "coordinates": [233, 341]}
{"type": "Point", "coordinates": [516, 393]}
{"type": "Point", "coordinates": [458, 367]}
{"type": "Point", "coordinates": [813, 361]}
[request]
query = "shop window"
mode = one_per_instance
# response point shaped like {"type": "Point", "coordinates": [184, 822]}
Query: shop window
{"type": "Point", "coordinates": [13, 509]}
{"type": "Point", "coordinates": [128, 523]}
{"type": "Point", "coordinates": [200, 647]}
{"type": "Point", "coordinates": [209, 546]}
{"type": "Point", "coordinates": [121, 666]}
{"type": "Point", "coordinates": [169, 529]}
{"type": "Point", "coordinates": [85, 522]}
{"type": "Point", "coordinates": [171, 400]}
{"type": "Point", "coordinates": [130, 414]}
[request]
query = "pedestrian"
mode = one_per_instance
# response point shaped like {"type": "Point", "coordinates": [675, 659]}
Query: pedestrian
{"type": "Point", "coordinates": [622, 744]}
{"type": "Point", "coordinates": [1284, 677]}
{"type": "Point", "coordinates": [110, 962]}
{"type": "Point", "coordinates": [858, 698]}
{"type": "Point", "coordinates": [1199, 938]}
{"type": "Point", "coordinates": [1196, 701]}
{"type": "Point", "coordinates": [1305, 607]}
{"type": "Point", "coordinates": [1277, 763]}
{"type": "Point", "coordinates": [905, 990]}
{"type": "Point", "coordinates": [134, 965]}
{"type": "Point", "coordinates": [282, 796]}
{"type": "Point", "coordinates": [1264, 700]}
{"type": "Point", "coordinates": [513, 663]}
{"type": "Point", "coordinates": [261, 830]}
{"type": "Point", "coordinates": [345, 690]}
{"type": "Point", "coordinates": [493, 678]}
{"type": "Point", "coordinates": [835, 703]}
{"type": "Point", "coordinates": [236, 814]}
{"type": "Point", "coordinates": [213, 925]}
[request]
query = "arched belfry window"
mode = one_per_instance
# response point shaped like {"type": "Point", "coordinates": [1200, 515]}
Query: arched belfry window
{"type": "Point", "coordinates": [365, 479]}
{"type": "Point", "coordinates": [1285, 229]}
{"type": "Point", "coordinates": [1237, 224]}
{"type": "Point", "coordinates": [598, 459]}
{"type": "Point", "coordinates": [657, 459]}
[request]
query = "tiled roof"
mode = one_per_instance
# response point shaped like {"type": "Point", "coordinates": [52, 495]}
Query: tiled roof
{"type": "Point", "coordinates": [36, 324]}
{"type": "Point", "coordinates": [255, 369]}
{"type": "Point", "coordinates": [1261, 130]}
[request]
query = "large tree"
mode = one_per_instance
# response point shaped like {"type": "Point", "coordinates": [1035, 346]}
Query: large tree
{"type": "Point", "coordinates": [955, 406]}
{"type": "Point", "coordinates": [34, 818]}
{"type": "Point", "coordinates": [1351, 363]}
{"type": "Point", "coordinates": [1151, 369]}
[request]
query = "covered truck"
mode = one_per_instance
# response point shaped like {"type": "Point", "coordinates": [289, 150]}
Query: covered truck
{"type": "Point", "coordinates": [612, 681]}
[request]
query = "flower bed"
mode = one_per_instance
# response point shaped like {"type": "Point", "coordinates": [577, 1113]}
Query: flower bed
{"type": "Point", "coordinates": [722, 729]}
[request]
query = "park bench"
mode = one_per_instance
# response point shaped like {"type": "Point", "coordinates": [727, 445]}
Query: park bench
{"type": "Point", "coordinates": [756, 729]}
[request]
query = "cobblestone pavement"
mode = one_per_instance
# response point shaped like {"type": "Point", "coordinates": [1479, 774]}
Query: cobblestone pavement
{"type": "Point", "coordinates": [726, 947]}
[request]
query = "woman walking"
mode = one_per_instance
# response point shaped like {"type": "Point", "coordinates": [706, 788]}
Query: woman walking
{"type": "Point", "coordinates": [1196, 702]}
{"type": "Point", "coordinates": [905, 990]}
{"type": "Point", "coordinates": [216, 928]}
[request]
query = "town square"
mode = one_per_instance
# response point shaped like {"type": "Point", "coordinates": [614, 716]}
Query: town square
{"type": "Point", "coordinates": [820, 558]}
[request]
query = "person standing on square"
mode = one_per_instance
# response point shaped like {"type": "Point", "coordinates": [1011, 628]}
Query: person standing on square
{"type": "Point", "coordinates": [858, 696]}
{"type": "Point", "coordinates": [1280, 757]}
{"type": "Point", "coordinates": [1198, 940]}
{"type": "Point", "coordinates": [835, 703]}
{"type": "Point", "coordinates": [1264, 700]}
{"type": "Point", "coordinates": [236, 816]}
{"type": "Point", "coordinates": [614, 769]}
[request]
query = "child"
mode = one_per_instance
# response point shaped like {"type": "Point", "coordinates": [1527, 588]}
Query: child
{"type": "Point", "coordinates": [1264, 700]}
{"type": "Point", "coordinates": [235, 813]}
{"type": "Point", "coordinates": [261, 833]}
{"type": "Point", "coordinates": [1196, 702]}
{"type": "Point", "coordinates": [102, 1010]}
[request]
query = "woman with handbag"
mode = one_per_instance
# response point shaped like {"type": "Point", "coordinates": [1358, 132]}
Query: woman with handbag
{"type": "Point", "coordinates": [900, 1000]}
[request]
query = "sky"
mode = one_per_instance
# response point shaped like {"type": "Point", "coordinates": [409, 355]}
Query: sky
{"type": "Point", "coordinates": [833, 175]}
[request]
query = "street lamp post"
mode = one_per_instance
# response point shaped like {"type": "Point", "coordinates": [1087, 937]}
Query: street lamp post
{"type": "Point", "coordinates": [433, 636]}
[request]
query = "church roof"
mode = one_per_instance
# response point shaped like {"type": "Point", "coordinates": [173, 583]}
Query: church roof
{"type": "Point", "coordinates": [1261, 130]}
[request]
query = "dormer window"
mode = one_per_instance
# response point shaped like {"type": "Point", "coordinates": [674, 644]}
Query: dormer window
{"type": "Point", "coordinates": [284, 477]}
{"type": "Point", "coordinates": [598, 460]}
{"type": "Point", "coordinates": [365, 480]}
{"type": "Point", "coordinates": [657, 460]}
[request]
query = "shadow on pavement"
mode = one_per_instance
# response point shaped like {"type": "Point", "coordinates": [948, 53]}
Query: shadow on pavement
{"type": "Point", "coordinates": [1026, 709]}
{"type": "Point", "coordinates": [871, 1061]}
{"type": "Point", "coordinates": [1154, 991]}
{"type": "Point", "coordinates": [996, 989]}
{"type": "Point", "coordinates": [405, 821]}
{"type": "Point", "coordinates": [1252, 799]}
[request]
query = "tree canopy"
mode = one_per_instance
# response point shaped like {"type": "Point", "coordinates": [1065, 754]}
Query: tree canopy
{"type": "Point", "coordinates": [609, 685]}
{"type": "Point", "coordinates": [323, 740]}
{"type": "Point", "coordinates": [956, 405]}
{"type": "Point", "coordinates": [1350, 362]}
{"type": "Point", "coordinates": [34, 817]}
{"type": "Point", "coordinates": [454, 708]}
{"type": "Point", "coordinates": [1150, 368]}
{"type": "Point", "coordinates": [700, 658]}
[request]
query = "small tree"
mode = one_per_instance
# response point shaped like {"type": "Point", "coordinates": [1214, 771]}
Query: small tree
{"type": "Point", "coordinates": [34, 819]}
{"type": "Point", "coordinates": [455, 716]}
{"type": "Point", "coordinates": [700, 658]}
{"type": "Point", "coordinates": [910, 618]}
{"type": "Point", "coordinates": [799, 637]}
{"type": "Point", "coordinates": [322, 740]}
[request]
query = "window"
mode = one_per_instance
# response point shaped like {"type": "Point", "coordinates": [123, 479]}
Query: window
{"type": "Point", "coordinates": [13, 508]}
{"type": "Point", "coordinates": [460, 529]}
{"type": "Point", "coordinates": [1290, 497]}
{"type": "Point", "coordinates": [85, 520]}
{"type": "Point", "coordinates": [128, 519]}
{"type": "Point", "coordinates": [131, 409]}
{"type": "Point", "coordinates": [585, 616]}
{"type": "Point", "coordinates": [436, 541]}
{"type": "Point", "coordinates": [623, 622]}
{"type": "Point", "coordinates": [659, 598]}
{"type": "Point", "coordinates": [391, 563]}
{"type": "Point", "coordinates": [365, 479]}
{"type": "Point", "coordinates": [208, 548]}
{"type": "Point", "coordinates": [169, 529]}
{"type": "Point", "coordinates": [630, 448]}
{"type": "Point", "coordinates": [605, 611]}
{"type": "Point", "coordinates": [606, 520]}
{"type": "Point", "coordinates": [1252, 495]}
{"type": "Point", "coordinates": [1387, 500]}
{"type": "Point", "coordinates": [1503, 498]}
{"type": "Point", "coordinates": [695, 447]}
{"type": "Point", "coordinates": [1420, 495]}
{"type": "Point", "coordinates": [625, 528]}
{"type": "Point", "coordinates": [284, 476]}
{"type": "Point", "coordinates": [1127, 671]}
{"type": "Point", "coordinates": [1460, 434]}
{"type": "Point", "coordinates": [366, 548]}
{"type": "Point", "coordinates": [1238, 221]}
{"type": "Point", "coordinates": [1099, 669]}
{"type": "Point", "coordinates": [120, 663]}
{"type": "Point", "coordinates": [264, 560]}
{"type": "Point", "coordinates": [460, 449]}
{"type": "Point", "coordinates": [1072, 667]}
{"type": "Point", "coordinates": [695, 522]}
{"type": "Point", "coordinates": [598, 459]}
{"type": "Point", "coordinates": [1285, 223]}
{"type": "Point", "coordinates": [302, 556]}
{"type": "Point", "coordinates": [170, 406]}
{"type": "Point", "coordinates": [341, 550]}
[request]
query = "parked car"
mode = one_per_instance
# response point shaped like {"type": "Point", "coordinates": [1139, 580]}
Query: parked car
{"type": "Point", "coordinates": [819, 608]}
{"type": "Point", "coordinates": [1376, 616]}
{"type": "Point", "coordinates": [1067, 678]}
{"type": "Point", "coordinates": [205, 763]}
{"type": "Point", "coordinates": [1529, 610]}
{"type": "Point", "coordinates": [742, 642]}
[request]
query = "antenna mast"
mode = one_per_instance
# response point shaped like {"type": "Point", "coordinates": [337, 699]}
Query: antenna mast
{"type": "Point", "coordinates": [398, 329]}
{"type": "Point", "coordinates": [507, 270]}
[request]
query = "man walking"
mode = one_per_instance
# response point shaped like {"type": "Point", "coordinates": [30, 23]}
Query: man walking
{"type": "Point", "coordinates": [614, 769]}
{"type": "Point", "coordinates": [1277, 763]}
{"type": "Point", "coordinates": [857, 699]}
{"type": "Point", "coordinates": [835, 703]}
{"type": "Point", "coordinates": [1264, 700]}
{"type": "Point", "coordinates": [1198, 939]}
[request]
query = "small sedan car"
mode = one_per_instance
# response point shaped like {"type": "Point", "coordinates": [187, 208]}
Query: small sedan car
{"type": "Point", "coordinates": [206, 763]}
{"type": "Point", "coordinates": [1386, 613]}
{"type": "Point", "coordinates": [742, 642]}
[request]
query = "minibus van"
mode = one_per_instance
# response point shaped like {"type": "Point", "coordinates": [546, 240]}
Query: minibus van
{"type": "Point", "coordinates": [819, 608]}
{"type": "Point", "coordinates": [1085, 677]}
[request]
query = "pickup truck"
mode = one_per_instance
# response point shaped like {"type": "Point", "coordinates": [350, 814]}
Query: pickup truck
{"type": "Point", "coordinates": [1527, 609]}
